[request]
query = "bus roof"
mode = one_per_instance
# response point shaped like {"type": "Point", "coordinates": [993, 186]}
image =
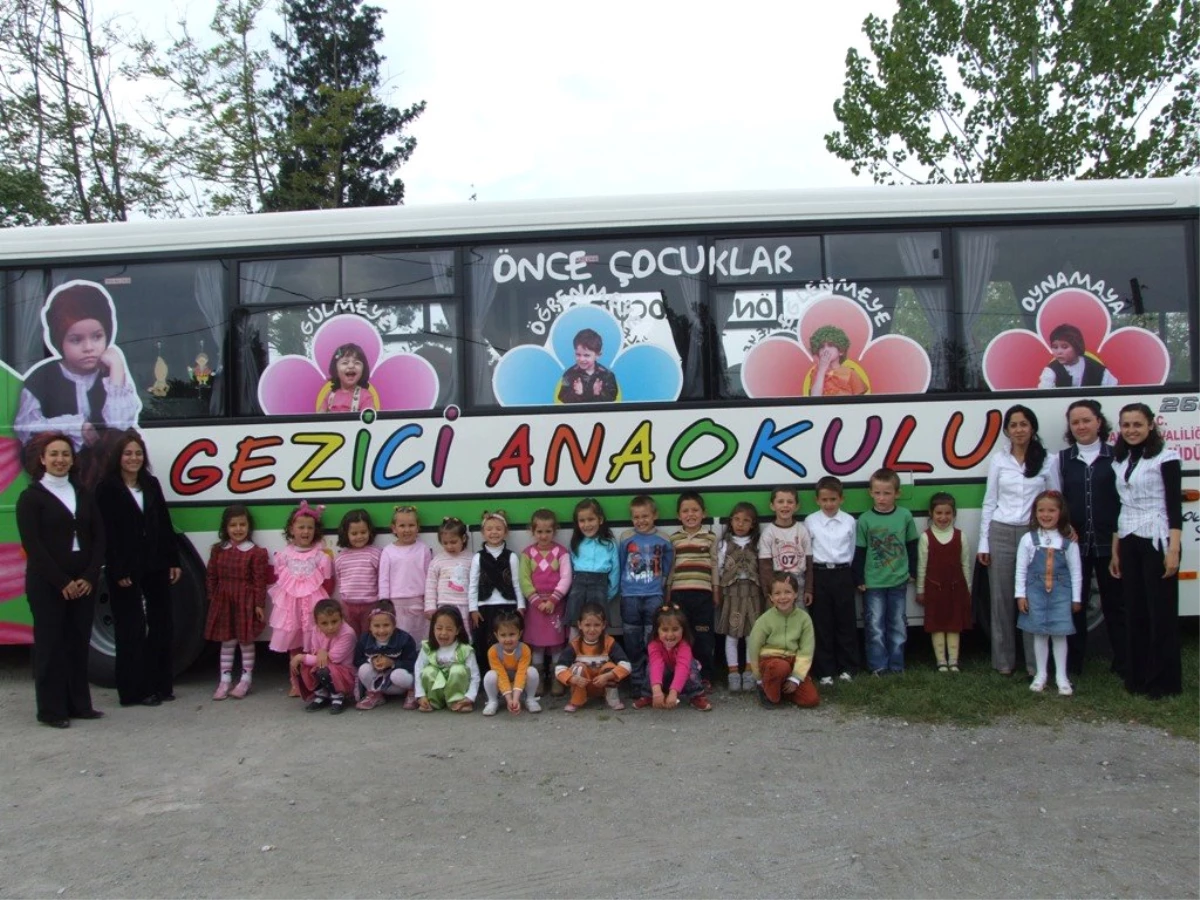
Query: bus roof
{"type": "Point", "coordinates": [271, 231]}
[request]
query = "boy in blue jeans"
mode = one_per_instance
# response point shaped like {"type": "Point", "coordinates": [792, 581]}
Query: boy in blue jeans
{"type": "Point", "coordinates": [885, 561]}
{"type": "Point", "coordinates": [645, 558]}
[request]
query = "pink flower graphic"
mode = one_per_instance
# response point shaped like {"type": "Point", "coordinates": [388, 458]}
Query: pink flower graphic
{"type": "Point", "coordinates": [1014, 359]}
{"type": "Point", "coordinates": [783, 366]}
{"type": "Point", "coordinates": [12, 571]}
{"type": "Point", "coordinates": [10, 461]}
{"type": "Point", "coordinates": [15, 633]}
{"type": "Point", "coordinates": [294, 385]}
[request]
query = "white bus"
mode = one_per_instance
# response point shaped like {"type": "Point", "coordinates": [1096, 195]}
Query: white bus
{"type": "Point", "coordinates": [528, 354]}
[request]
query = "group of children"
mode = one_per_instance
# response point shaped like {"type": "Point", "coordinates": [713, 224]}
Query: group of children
{"type": "Point", "coordinates": [420, 627]}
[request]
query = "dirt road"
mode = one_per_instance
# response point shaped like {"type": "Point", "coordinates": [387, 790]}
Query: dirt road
{"type": "Point", "coordinates": [256, 798]}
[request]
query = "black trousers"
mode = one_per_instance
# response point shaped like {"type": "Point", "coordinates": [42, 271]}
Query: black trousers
{"type": "Point", "coordinates": [485, 635]}
{"type": "Point", "coordinates": [1112, 604]}
{"type": "Point", "coordinates": [833, 617]}
{"type": "Point", "coordinates": [1154, 666]}
{"type": "Point", "coordinates": [701, 615]}
{"type": "Point", "coordinates": [144, 637]}
{"type": "Point", "coordinates": [62, 630]}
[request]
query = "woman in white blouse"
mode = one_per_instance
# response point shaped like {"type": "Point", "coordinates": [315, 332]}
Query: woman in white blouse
{"type": "Point", "coordinates": [1145, 552]}
{"type": "Point", "coordinates": [1016, 475]}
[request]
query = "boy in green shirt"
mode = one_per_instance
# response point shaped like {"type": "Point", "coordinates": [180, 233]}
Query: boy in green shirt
{"type": "Point", "coordinates": [885, 561]}
{"type": "Point", "coordinates": [780, 647]}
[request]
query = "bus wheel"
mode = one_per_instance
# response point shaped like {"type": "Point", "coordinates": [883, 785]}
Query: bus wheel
{"type": "Point", "coordinates": [190, 609]}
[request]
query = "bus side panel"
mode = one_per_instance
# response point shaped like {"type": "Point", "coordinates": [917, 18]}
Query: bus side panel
{"type": "Point", "coordinates": [16, 622]}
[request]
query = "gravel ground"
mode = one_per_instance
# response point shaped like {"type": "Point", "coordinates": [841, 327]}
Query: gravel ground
{"type": "Point", "coordinates": [258, 799]}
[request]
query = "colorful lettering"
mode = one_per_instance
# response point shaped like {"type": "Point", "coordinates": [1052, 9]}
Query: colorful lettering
{"type": "Point", "coordinates": [245, 461]}
{"type": "Point", "coordinates": [766, 446]}
{"type": "Point", "coordinates": [584, 464]}
{"type": "Point", "coordinates": [638, 450]}
{"type": "Point", "coordinates": [869, 442]}
{"type": "Point", "coordinates": [982, 449]}
{"type": "Point", "coordinates": [381, 480]}
{"type": "Point", "coordinates": [515, 455]}
{"type": "Point", "coordinates": [190, 481]}
{"type": "Point", "coordinates": [694, 432]}
{"type": "Point", "coordinates": [327, 444]}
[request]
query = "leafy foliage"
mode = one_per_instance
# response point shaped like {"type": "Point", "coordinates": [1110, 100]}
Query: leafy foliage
{"type": "Point", "coordinates": [1006, 90]}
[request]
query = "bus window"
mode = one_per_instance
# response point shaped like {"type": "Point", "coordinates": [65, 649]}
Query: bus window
{"type": "Point", "coordinates": [884, 255]}
{"type": "Point", "coordinates": [170, 323]}
{"type": "Point", "coordinates": [267, 282]}
{"type": "Point", "coordinates": [398, 274]}
{"type": "Point", "coordinates": [1076, 305]}
{"type": "Point", "coordinates": [588, 321]}
{"type": "Point", "coordinates": [25, 293]}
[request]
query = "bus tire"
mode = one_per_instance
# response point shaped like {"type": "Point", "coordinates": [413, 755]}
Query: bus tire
{"type": "Point", "coordinates": [190, 609]}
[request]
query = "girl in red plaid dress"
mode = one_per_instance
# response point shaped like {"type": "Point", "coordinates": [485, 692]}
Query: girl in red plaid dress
{"type": "Point", "coordinates": [237, 589]}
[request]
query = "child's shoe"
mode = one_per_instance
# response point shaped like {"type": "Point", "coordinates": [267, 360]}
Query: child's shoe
{"type": "Point", "coordinates": [954, 666]}
{"type": "Point", "coordinates": [317, 703]}
{"type": "Point", "coordinates": [1065, 689]}
{"type": "Point", "coordinates": [943, 668]}
{"type": "Point", "coordinates": [531, 704]}
{"type": "Point", "coordinates": [241, 689]}
{"type": "Point", "coordinates": [749, 682]}
{"type": "Point", "coordinates": [764, 701]}
{"type": "Point", "coordinates": [337, 705]}
{"type": "Point", "coordinates": [1038, 685]}
{"type": "Point", "coordinates": [222, 690]}
{"type": "Point", "coordinates": [570, 707]}
{"type": "Point", "coordinates": [613, 699]}
{"type": "Point", "coordinates": [642, 702]}
{"type": "Point", "coordinates": [701, 703]}
{"type": "Point", "coordinates": [491, 707]}
{"type": "Point", "coordinates": [735, 682]}
{"type": "Point", "coordinates": [372, 700]}
{"type": "Point", "coordinates": [845, 676]}
{"type": "Point", "coordinates": [827, 681]}
{"type": "Point", "coordinates": [410, 702]}
{"type": "Point", "coordinates": [556, 688]}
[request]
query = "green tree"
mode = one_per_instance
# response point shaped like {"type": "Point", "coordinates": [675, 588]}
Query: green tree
{"type": "Point", "coordinates": [342, 144]}
{"type": "Point", "coordinates": [1008, 90]}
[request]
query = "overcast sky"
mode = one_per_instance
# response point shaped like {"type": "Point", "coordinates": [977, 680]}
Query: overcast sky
{"type": "Point", "coordinates": [536, 100]}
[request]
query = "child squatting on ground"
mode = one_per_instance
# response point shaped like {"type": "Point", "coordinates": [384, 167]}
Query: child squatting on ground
{"type": "Point", "coordinates": [780, 647]}
{"type": "Point", "coordinates": [592, 663]}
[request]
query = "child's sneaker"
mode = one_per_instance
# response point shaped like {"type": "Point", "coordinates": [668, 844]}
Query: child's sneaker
{"type": "Point", "coordinates": [410, 702]}
{"type": "Point", "coordinates": [557, 689]}
{"type": "Point", "coordinates": [1065, 689]}
{"type": "Point", "coordinates": [531, 704]}
{"type": "Point", "coordinates": [735, 682]}
{"type": "Point", "coordinates": [1038, 685]}
{"type": "Point", "coordinates": [317, 703]}
{"type": "Point", "coordinates": [765, 701]}
{"type": "Point", "coordinates": [222, 690]}
{"type": "Point", "coordinates": [701, 703]}
{"type": "Point", "coordinates": [827, 681]}
{"type": "Point", "coordinates": [845, 676]}
{"type": "Point", "coordinates": [613, 699]}
{"type": "Point", "coordinates": [372, 700]}
{"type": "Point", "coordinates": [337, 705]}
{"type": "Point", "coordinates": [241, 689]}
{"type": "Point", "coordinates": [491, 707]}
{"type": "Point", "coordinates": [749, 682]}
{"type": "Point", "coordinates": [642, 702]}
{"type": "Point", "coordinates": [954, 667]}
{"type": "Point", "coordinates": [570, 707]}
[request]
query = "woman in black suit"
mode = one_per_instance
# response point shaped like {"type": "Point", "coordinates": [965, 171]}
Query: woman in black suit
{"type": "Point", "coordinates": [63, 540]}
{"type": "Point", "coordinates": [143, 562]}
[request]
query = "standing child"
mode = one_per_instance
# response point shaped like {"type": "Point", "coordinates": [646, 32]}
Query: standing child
{"type": "Point", "coordinates": [303, 576]}
{"type": "Point", "coordinates": [830, 591]}
{"type": "Point", "coordinates": [645, 559]}
{"type": "Point", "coordinates": [693, 580]}
{"type": "Point", "coordinates": [237, 591]}
{"type": "Point", "coordinates": [785, 544]}
{"type": "Point", "coordinates": [403, 568]}
{"type": "Point", "coordinates": [674, 671]}
{"type": "Point", "coordinates": [592, 663]}
{"type": "Point", "coordinates": [511, 672]}
{"type": "Point", "coordinates": [943, 581]}
{"type": "Point", "coordinates": [450, 572]}
{"type": "Point", "coordinates": [447, 674]}
{"type": "Point", "coordinates": [1049, 582]}
{"type": "Point", "coordinates": [349, 381]}
{"type": "Point", "coordinates": [326, 667]}
{"type": "Point", "coordinates": [493, 583]}
{"type": "Point", "coordinates": [741, 590]}
{"type": "Point", "coordinates": [384, 659]}
{"type": "Point", "coordinates": [356, 569]}
{"type": "Point", "coordinates": [545, 580]}
{"type": "Point", "coordinates": [780, 647]}
{"type": "Point", "coordinates": [595, 568]}
{"type": "Point", "coordinates": [885, 561]}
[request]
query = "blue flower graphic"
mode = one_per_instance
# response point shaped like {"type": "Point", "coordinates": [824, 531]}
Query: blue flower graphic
{"type": "Point", "coordinates": [530, 375]}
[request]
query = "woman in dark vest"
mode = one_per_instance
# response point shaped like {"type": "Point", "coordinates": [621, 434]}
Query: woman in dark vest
{"type": "Point", "coordinates": [143, 562]}
{"type": "Point", "coordinates": [63, 540]}
{"type": "Point", "coordinates": [1085, 469]}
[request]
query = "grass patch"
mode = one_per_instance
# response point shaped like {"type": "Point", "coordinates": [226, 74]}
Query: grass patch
{"type": "Point", "coordinates": [979, 696]}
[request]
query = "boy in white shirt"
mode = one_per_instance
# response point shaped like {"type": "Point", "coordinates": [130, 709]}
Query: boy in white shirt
{"type": "Point", "coordinates": [829, 590]}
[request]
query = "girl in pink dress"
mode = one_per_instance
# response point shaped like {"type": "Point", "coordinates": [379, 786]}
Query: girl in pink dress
{"type": "Point", "coordinates": [402, 571]}
{"type": "Point", "coordinates": [545, 580]}
{"type": "Point", "coordinates": [303, 576]}
{"type": "Point", "coordinates": [349, 381]}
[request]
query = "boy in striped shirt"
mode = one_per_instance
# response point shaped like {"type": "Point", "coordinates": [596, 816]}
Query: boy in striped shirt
{"type": "Point", "coordinates": [693, 582]}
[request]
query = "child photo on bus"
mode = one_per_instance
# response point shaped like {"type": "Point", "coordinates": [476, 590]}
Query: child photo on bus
{"type": "Point", "coordinates": [349, 381]}
{"type": "Point", "coordinates": [831, 375]}
{"type": "Point", "coordinates": [84, 390]}
{"type": "Point", "coordinates": [587, 381]}
{"type": "Point", "coordinates": [1072, 366]}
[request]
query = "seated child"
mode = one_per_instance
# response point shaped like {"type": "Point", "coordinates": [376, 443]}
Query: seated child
{"type": "Point", "coordinates": [592, 663]}
{"type": "Point", "coordinates": [511, 672]}
{"type": "Point", "coordinates": [780, 647]}
{"type": "Point", "coordinates": [447, 673]}
{"type": "Point", "coordinates": [384, 659]}
{"type": "Point", "coordinates": [325, 669]}
{"type": "Point", "coordinates": [671, 664]}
